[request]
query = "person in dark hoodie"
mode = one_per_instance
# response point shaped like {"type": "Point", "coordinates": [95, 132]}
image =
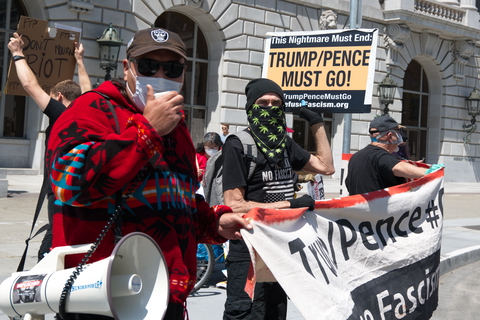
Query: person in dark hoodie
{"type": "Point", "coordinates": [132, 138]}
{"type": "Point", "coordinates": [271, 186]}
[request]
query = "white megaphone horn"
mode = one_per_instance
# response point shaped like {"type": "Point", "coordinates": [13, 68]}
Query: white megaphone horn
{"type": "Point", "coordinates": [132, 283]}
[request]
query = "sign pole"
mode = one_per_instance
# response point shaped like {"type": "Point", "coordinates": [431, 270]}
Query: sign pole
{"type": "Point", "coordinates": [347, 118]}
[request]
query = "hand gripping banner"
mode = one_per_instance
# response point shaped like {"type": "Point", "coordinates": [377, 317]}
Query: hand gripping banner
{"type": "Point", "coordinates": [364, 257]}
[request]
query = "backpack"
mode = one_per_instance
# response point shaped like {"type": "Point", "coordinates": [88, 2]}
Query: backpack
{"type": "Point", "coordinates": [212, 180]}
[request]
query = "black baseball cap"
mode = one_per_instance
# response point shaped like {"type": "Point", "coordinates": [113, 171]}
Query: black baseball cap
{"type": "Point", "coordinates": [383, 123]}
{"type": "Point", "coordinates": [152, 39]}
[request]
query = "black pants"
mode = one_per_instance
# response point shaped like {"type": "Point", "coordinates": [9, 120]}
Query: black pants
{"type": "Point", "coordinates": [270, 301]}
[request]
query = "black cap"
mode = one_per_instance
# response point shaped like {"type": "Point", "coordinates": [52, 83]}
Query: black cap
{"type": "Point", "coordinates": [258, 87]}
{"type": "Point", "coordinates": [383, 123]}
{"type": "Point", "coordinates": [152, 39]}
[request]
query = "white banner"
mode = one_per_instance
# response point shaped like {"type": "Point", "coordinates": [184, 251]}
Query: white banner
{"type": "Point", "coordinates": [364, 257]}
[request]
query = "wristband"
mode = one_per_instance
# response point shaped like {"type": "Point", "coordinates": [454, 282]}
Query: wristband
{"type": "Point", "coordinates": [16, 58]}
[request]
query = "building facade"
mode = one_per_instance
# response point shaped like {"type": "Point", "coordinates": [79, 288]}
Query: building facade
{"type": "Point", "coordinates": [428, 47]}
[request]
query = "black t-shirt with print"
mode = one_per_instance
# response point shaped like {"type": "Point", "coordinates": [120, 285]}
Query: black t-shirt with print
{"type": "Point", "coordinates": [53, 111]}
{"type": "Point", "coordinates": [370, 169]}
{"type": "Point", "coordinates": [269, 183]}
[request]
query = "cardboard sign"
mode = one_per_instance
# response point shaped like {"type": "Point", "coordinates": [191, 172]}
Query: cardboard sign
{"type": "Point", "coordinates": [50, 53]}
{"type": "Point", "coordinates": [326, 70]}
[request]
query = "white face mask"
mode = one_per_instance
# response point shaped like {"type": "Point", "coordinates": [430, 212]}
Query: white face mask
{"type": "Point", "coordinates": [159, 85]}
{"type": "Point", "coordinates": [399, 137]}
{"type": "Point", "coordinates": [211, 152]}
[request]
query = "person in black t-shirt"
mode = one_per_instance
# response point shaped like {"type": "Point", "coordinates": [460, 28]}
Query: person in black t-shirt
{"type": "Point", "coordinates": [52, 105]}
{"type": "Point", "coordinates": [374, 167]}
{"type": "Point", "coordinates": [271, 186]}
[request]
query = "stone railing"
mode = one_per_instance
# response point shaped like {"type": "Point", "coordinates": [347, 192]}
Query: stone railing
{"type": "Point", "coordinates": [440, 11]}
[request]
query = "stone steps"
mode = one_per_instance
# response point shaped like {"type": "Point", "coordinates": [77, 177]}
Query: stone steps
{"type": "Point", "coordinates": [21, 171]}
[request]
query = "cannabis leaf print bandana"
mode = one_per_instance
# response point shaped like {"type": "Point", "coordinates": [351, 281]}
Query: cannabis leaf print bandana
{"type": "Point", "coordinates": [268, 126]}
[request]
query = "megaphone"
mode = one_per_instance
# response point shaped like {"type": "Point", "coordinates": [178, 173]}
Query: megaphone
{"type": "Point", "coordinates": [132, 283]}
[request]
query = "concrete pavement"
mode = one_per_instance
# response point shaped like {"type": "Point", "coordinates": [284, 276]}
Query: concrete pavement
{"type": "Point", "coordinates": [460, 244]}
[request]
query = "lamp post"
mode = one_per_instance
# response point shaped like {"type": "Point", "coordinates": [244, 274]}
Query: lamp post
{"type": "Point", "coordinates": [387, 92]}
{"type": "Point", "coordinates": [109, 45]}
{"type": "Point", "coordinates": [473, 104]}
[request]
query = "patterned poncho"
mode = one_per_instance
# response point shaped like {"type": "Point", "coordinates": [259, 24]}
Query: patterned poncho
{"type": "Point", "coordinates": [89, 162]}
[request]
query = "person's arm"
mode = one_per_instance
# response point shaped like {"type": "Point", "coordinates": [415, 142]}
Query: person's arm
{"type": "Point", "coordinates": [25, 74]}
{"type": "Point", "coordinates": [234, 198]}
{"type": "Point", "coordinates": [83, 78]}
{"type": "Point", "coordinates": [229, 225]}
{"type": "Point", "coordinates": [409, 171]}
{"type": "Point", "coordinates": [322, 161]}
{"type": "Point", "coordinates": [217, 224]}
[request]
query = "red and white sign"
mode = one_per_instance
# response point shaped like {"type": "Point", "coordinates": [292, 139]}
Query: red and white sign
{"type": "Point", "coordinates": [367, 256]}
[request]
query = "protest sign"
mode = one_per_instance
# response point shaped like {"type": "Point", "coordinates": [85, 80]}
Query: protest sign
{"type": "Point", "coordinates": [325, 70]}
{"type": "Point", "coordinates": [363, 257]}
{"type": "Point", "coordinates": [49, 51]}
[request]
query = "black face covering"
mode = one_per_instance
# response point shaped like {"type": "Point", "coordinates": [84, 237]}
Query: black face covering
{"type": "Point", "coordinates": [267, 123]}
{"type": "Point", "coordinates": [268, 126]}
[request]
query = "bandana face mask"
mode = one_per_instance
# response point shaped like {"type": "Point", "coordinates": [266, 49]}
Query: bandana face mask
{"type": "Point", "coordinates": [399, 137]}
{"type": "Point", "coordinates": [268, 126]}
{"type": "Point", "coordinates": [159, 85]}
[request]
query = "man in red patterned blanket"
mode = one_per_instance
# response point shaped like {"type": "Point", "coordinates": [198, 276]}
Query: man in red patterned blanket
{"type": "Point", "coordinates": [131, 137]}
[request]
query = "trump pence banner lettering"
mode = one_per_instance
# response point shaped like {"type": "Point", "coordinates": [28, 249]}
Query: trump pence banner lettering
{"type": "Point", "coordinates": [324, 70]}
{"type": "Point", "coordinates": [371, 256]}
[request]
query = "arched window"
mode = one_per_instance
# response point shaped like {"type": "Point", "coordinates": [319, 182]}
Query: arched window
{"type": "Point", "coordinates": [12, 108]}
{"type": "Point", "coordinates": [415, 109]}
{"type": "Point", "coordinates": [195, 86]}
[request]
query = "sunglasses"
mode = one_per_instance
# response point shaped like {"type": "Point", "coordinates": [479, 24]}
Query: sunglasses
{"type": "Point", "coordinates": [149, 68]}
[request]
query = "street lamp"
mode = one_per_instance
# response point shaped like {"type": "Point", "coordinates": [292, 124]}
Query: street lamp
{"type": "Point", "coordinates": [472, 102]}
{"type": "Point", "coordinates": [109, 45]}
{"type": "Point", "coordinates": [387, 92]}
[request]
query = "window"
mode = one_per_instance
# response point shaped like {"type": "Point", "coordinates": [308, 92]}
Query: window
{"type": "Point", "coordinates": [415, 109]}
{"type": "Point", "coordinates": [12, 108]}
{"type": "Point", "coordinates": [195, 86]}
{"type": "Point", "coordinates": [303, 136]}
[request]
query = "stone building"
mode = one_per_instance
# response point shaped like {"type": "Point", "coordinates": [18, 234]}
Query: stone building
{"type": "Point", "coordinates": [429, 48]}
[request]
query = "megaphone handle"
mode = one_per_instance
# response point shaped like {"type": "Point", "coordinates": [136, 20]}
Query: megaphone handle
{"type": "Point", "coordinates": [29, 316]}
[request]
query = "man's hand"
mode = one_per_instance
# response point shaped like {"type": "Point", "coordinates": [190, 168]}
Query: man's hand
{"type": "Point", "coordinates": [229, 225]}
{"type": "Point", "coordinates": [16, 45]}
{"type": "Point", "coordinates": [79, 51]}
{"type": "Point", "coordinates": [83, 78]}
{"type": "Point", "coordinates": [304, 201]}
{"type": "Point", "coordinates": [164, 112]}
